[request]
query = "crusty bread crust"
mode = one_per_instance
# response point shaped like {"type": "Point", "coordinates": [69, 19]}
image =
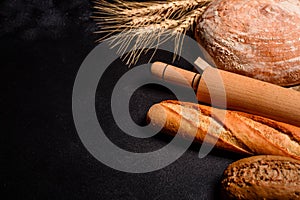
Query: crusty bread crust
{"type": "Point", "coordinates": [262, 177]}
{"type": "Point", "coordinates": [240, 132]}
{"type": "Point", "coordinates": [258, 38]}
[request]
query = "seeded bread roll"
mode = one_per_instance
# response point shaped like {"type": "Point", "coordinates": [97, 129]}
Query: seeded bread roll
{"type": "Point", "coordinates": [262, 177]}
{"type": "Point", "coordinates": [241, 132]}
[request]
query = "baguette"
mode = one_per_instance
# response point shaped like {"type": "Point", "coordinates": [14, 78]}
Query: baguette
{"type": "Point", "coordinates": [262, 177]}
{"type": "Point", "coordinates": [240, 132]}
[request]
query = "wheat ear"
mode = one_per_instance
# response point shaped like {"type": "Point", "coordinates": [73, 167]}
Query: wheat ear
{"type": "Point", "coordinates": [142, 26]}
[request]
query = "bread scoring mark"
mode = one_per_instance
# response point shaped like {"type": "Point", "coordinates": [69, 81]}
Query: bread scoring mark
{"type": "Point", "coordinates": [282, 140]}
{"type": "Point", "coordinates": [206, 124]}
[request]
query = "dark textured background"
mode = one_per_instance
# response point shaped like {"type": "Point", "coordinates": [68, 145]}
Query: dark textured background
{"type": "Point", "coordinates": [43, 43]}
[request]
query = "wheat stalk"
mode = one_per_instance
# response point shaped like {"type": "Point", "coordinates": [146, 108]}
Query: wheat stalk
{"type": "Point", "coordinates": [146, 25]}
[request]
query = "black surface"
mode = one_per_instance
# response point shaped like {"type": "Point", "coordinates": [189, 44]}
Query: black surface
{"type": "Point", "coordinates": [43, 44]}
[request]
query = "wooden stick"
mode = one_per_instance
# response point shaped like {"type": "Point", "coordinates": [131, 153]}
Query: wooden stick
{"type": "Point", "coordinates": [242, 93]}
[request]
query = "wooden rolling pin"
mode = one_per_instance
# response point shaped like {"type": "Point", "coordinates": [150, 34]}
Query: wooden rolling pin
{"type": "Point", "coordinates": [242, 93]}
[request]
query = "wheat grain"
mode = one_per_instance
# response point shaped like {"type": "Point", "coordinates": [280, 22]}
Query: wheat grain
{"type": "Point", "coordinates": [146, 25]}
{"type": "Point", "coordinates": [161, 8]}
{"type": "Point", "coordinates": [189, 20]}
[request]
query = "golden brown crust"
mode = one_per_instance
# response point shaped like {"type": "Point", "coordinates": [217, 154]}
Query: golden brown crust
{"type": "Point", "coordinates": [239, 132]}
{"type": "Point", "coordinates": [262, 177]}
{"type": "Point", "coordinates": [258, 38]}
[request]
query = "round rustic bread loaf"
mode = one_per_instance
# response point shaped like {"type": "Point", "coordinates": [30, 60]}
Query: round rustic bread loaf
{"type": "Point", "coordinates": [257, 38]}
{"type": "Point", "coordinates": [262, 177]}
